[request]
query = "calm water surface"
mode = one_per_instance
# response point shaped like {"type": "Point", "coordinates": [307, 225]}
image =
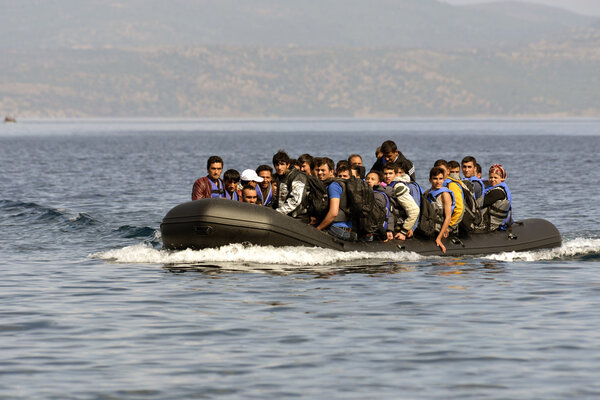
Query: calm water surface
{"type": "Point", "coordinates": [92, 308]}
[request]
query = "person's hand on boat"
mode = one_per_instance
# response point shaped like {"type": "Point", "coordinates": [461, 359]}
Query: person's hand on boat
{"type": "Point", "coordinates": [390, 236]}
{"type": "Point", "coordinates": [400, 236]}
{"type": "Point", "coordinates": [410, 233]}
{"type": "Point", "coordinates": [438, 243]}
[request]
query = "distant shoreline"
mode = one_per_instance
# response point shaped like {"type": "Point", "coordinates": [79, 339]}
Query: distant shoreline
{"type": "Point", "coordinates": [309, 119]}
{"type": "Point", "coordinates": [309, 128]}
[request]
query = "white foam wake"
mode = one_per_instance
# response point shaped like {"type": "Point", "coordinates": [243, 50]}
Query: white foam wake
{"type": "Point", "coordinates": [237, 253]}
{"type": "Point", "coordinates": [312, 256]}
{"type": "Point", "coordinates": [571, 248]}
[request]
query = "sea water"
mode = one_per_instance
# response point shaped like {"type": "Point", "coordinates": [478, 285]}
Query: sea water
{"type": "Point", "coordinates": [93, 308]}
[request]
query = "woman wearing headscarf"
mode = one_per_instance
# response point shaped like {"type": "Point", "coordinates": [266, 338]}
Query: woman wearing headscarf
{"type": "Point", "coordinates": [497, 201]}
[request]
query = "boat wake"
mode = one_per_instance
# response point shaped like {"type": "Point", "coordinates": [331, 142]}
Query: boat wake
{"type": "Point", "coordinates": [238, 253]}
{"type": "Point", "coordinates": [576, 249]}
{"type": "Point", "coordinates": [241, 255]}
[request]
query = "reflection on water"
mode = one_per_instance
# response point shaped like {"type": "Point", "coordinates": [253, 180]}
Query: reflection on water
{"type": "Point", "coordinates": [282, 270]}
{"type": "Point", "coordinates": [439, 268]}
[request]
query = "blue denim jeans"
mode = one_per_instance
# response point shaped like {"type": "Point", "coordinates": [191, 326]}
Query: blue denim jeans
{"type": "Point", "coordinates": [339, 232]}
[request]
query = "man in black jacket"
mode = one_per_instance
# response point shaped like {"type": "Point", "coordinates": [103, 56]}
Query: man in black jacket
{"type": "Point", "coordinates": [291, 188]}
{"type": "Point", "coordinates": [391, 154]}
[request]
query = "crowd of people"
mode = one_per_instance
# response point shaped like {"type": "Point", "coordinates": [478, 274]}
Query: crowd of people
{"type": "Point", "coordinates": [450, 206]}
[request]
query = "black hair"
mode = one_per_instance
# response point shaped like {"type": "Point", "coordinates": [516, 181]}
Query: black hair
{"type": "Point", "coordinates": [231, 175]}
{"type": "Point", "coordinates": [388, 147]}
{"type": "Point", "coordinates": [467, 159]}
{"type": "Point", "coordinates": [435, 171]}
{"type": "Point", "coordinates": [342, 165]}
{"type": "Point", "coordinates": [478, 168]}
{"type": "Point", "coordinates": [391, 165]}
{"type": "Point", "coordinates": [264, 167]}
{"type": "Point", "coordinates": [441, 162]}
{"type": "Point", "coordinates": [404, 165]}
{"type": "Point", "coordinates": [379, 174]}
{"type": "Point", "coordinates": [246, 187]}
{"type": "Point", "coordinates": [341, 168]}
{"type": "Point", "coordinates": [212, 160]}
{"type": "Point", "coordinates": [307, 158]}
{"type": "Point", "coordinates": [360, 170]}
{"type": "Point", "coordinates": [281, 157]}
{"type": "Point", "coordinates": [324, 161]}
{"type": "Point", "coordinates": [453, 164]}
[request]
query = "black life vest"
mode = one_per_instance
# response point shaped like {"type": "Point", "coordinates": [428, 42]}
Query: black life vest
{"type": "Point", "coordinates": [432, 211]}
{"type": "Point", "coordinates": [343, 214]}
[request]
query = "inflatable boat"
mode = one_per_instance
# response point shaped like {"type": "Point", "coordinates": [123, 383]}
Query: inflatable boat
{"type": "Point", "coordinates": [211, 223]}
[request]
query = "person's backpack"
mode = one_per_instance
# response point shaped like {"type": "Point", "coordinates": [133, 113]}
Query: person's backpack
{"type": "Point", "coordinates": [366, 213]}
{"type": "Point", "coordinates": [389, 193]}
{"type": "Point", "coordinates": [317, 201]}
{"type": "Point", "coordinates": [472, 212]}
{"type": "Point", "coordinates": [428, 219]}
{"type": "Point", "coordinates": [477, 187]}
{"type": "Point", "coordinates": [469, 185]}
{"type": "Point", "coordinates": [388, 201]}
{"type": "Point", "coordinates": [374, 219]}
{"type": "Point", "coordinates": [415, 191]}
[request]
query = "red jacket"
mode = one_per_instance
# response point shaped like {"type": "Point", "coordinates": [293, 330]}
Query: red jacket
{"type": "Point", "coordinates": [202, 188]}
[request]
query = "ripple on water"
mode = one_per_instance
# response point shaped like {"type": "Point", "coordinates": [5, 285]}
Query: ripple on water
{"type": "Point", "coordinates": [132, 321]}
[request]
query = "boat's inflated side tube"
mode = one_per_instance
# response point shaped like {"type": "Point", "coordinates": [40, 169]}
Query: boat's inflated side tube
{"type": "Point", "coordinates": [211, 223]}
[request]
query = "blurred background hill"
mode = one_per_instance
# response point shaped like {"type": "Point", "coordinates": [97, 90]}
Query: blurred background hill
{"type": "Point", "coordinates": [279, 58]}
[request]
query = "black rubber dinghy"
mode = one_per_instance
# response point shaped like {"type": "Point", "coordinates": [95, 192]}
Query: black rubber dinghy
{"type": "Point", "coordinates": [211, 223]}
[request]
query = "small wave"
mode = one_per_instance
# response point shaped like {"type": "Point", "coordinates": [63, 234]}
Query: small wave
{"type": "Point", "coordinates": [83, 219]}
{"type": "Point", "coordinates": [238, 253]}
{"type": "Point", "coordinates": [51, 214]}
{"type": "Point", "coordinates": [9, 204]}
{"type": "Point", "coordinates": [31, 211]}
{"type": "Point", "coordinates": [131, 232]}
{"type": "Point", "coordinates": [579, 248]}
